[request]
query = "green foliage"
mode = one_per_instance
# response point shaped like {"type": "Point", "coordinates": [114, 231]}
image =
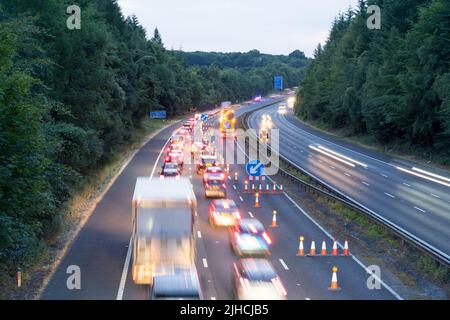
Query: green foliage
{"type": "Point", "coordinates": [393, 83]}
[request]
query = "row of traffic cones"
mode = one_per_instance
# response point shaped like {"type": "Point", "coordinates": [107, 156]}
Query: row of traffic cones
{"type": "Point", "coordinates": [274, 189]}
{"type": "Point", "coordinates": [323, 251]}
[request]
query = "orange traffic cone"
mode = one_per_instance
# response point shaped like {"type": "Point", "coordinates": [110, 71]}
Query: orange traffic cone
{"type": "Point", "coordinates": [274, 219]}
{"type": "Point", "coordinates": [301, 251]}
{"type": "Point", "coordinates": [323, 252]}
{"type": "Point", "coordinates": [346, 252]}
{"type": "Point", "coordinates": [256, 200]}
{"type": "Point", "coordinates": [274, 187]}
{"type": "Point", "coordinates": [334, 252]}
{"type": "Point", "coordinates": [334, 282]}
{"type": "Point", "coordinates": [235, 176]}
{"type": "Point", "coordinates": [260, 188]}
{"type": "Point", "coordinates": [253, 187]}
{"type": "Point", "coordinates": [267, 188]}
{"type": "Point", "coordinates": [281, 188]}
{"type": "Point", "coordinates": [246, 186]}
{"type": "Point", "coordinates": [312, 251]}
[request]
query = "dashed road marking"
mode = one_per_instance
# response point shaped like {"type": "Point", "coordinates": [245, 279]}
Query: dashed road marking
{"type": "Point", "coordinates": [283, 264]}
{"type": "Point", "coordinates": [251, 214]}
{"type": "Point", "coordinates": [389, 195]}
{"type": "Point", "coordinates": [205, 263]}
{"type": "Point", "coordinates": [365, 183]}
{"type": "Point", "coordinates": [434, 195]}
{"type": "Point", "coordinates": [347, 174]}
{"type": "Point", "coordinates": [240, 198]}
{"type": "Point", "coordinates": [234, 187]}
{"type": "Point", "coordinates": [331, 167]}
{"type": "Point", "coordinates": [405, 184]}
{"type": "Point", "coordinates": [421, 210]}
{"type": "Point", "coordinates": [383, 175]}
{"type": "Point", "coordinates": [307, 298]}
{"type": "Point", "coordinates": [199, 234]}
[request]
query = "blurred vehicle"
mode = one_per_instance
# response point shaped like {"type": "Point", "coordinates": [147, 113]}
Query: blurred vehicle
{"type": "Point", "coordinates": [183, 284]}
{"type": "Point", "coordinates": [282, 108]}
{"type": "Point", "coordinates": [215, 188]}
{"type": "Point", "coordinates": [177, 139]}
{"type": "Point", "coordinates": [223, 212]}
{"type": "Point", "coordinates": [225, 104]}
{"type": "Point", "coordinates": [174, 148]}
{"type": "Point", "coordinates": [176, 157]}
{"type": "Point", "coordinates": [206, 161]}
{"type": "Point", "coordinates": [264, 135]}
{"type": "Point", "coordinates": [216, 172]}
{"type": "Point", "coordinates": [198, 147]}
{"type": "Point", "coordinates": [291, 102]}
{"type": "Point", "coordinates": [189, 126]}
{"type": "Point", "coordinates": [227, 122]}
{"type": "Point", "coordinates": [170, 170]}
{"type": "Point", "coordinates": [256, 279]}
{"type": "Point", "coordinates": [162, 218]}
{"type": "Point", "coordinates": [249, 238]}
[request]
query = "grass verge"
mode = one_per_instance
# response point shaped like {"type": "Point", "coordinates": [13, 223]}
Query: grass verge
{"type": "Point", "coordinates": [77, 212]}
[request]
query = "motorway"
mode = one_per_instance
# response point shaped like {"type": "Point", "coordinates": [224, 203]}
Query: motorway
{"type": "Point", "coordinates": [415, 204]}
{"type": "Point", "coordinates": [101, 249]}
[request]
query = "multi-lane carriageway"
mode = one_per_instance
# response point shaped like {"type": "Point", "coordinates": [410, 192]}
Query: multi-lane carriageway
{"type": "Point", "coordinates": [416, 202]}
{"type": "Point", "coordinates": [101, 249]}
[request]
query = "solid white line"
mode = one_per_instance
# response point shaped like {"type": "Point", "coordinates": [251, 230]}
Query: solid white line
{"type": "Point", "coordinates": [283, 264]}
{"type": "Point", "coordinates": [431, 174]}
{"type": "Point", "coordinates": [205, 263]}
{"type": "Point", "coordinates": [199, 234]}
{"type": "Point", "coordinates": [417, 208]}
{"type": "Point", "coordinates": [423, 176]}
{"type": "Point", "coordinates": [250, 214]}
{"type": "Point", "coordinates": [123, 278]}
{"type": "Point", "coordinates": [389, 195]}
{"type": "Point", "coordinates": [241, 199]}
{"type": "Point", "coordinates": [365, 183]}
{"type": "Point", "coordinates": [332, 156]}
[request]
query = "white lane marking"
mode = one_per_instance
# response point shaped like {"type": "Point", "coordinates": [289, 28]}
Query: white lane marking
{"type": "Point", "coordinates": [365, 183]}
{"type": "Point", "coordinates": [199, 234]}
{"type": "Point", "coordinates": [331, 167]}
{"type": "Point", "coordinates": [389, 195]}
{"type": "Point", "coordinates": [229, 178]}
{"type": "Point", "coordinates": [123, 278]}
{"type": "Point", "coordinates": [195, 212]}
{"type": "Point", "coordinates": [234, 187]}
{"type": "Point", "coordinates": [320, 161]}
{"type": "Point", "coordinates": [417, 208]}
{"type": "Point", "coordinates": [283, 264]}
{"type": "Point", "coordinates": [241, 199]}
{"type": "Point", "coordinates": [205, 263]}
{"type": "Point", "coordinates": [347, 174]}
{"type": "Point", "coordinates": [307, 298]}
{"type": "Point", "coordinates": [405, 184]}
{"type": "Point", "coordinates": [213, 298]}
{"type": "Point", "coordinates": [383, 175]}
{"type": "Point", "coordinates": [251, 214]}
{"type": "Point", "coordinates": [434, 195]}
{"type": "Point", "coordinates": [395, 294]}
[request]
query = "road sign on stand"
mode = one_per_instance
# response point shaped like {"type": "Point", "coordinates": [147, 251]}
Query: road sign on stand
{"type": "Point", "coordinates": [203, 117]}
{"type": "Point", "coordinates": [255, 168]}
{"type": "Point", "coordinates": [278, 83]}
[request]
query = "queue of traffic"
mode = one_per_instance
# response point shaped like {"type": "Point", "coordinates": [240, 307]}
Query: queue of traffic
{"type": "Point", "coordinates": [163, 219]}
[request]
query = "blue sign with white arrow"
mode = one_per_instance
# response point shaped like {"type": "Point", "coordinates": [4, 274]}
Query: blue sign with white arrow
{"type": "Point", "coordinates": [203, 117]}
{"type": "Point", "coordinates": [255, 168]}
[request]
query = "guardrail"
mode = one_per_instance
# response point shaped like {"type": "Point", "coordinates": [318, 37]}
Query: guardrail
{"type": "Point", "coordinates": [330, 192]}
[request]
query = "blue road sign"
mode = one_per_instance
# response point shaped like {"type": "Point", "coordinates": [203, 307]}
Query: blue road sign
{"type": "Point", "coordinates": [159, 114]}
{"type": "Point", "coordinates": [204, 117]}
{"type": "Point", "coordinates": [255, 168]}
{"type": "Point", "coordinates": [278, 83]}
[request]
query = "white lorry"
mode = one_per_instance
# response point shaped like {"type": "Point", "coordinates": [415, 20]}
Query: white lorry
{"type": "Point", "coordinates": [162, 227]}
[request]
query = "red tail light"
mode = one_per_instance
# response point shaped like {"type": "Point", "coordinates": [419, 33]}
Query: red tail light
{"type": "Point", "coordinates": [167, 159]}
{"type": "Point", "coordinates": [266, 238]}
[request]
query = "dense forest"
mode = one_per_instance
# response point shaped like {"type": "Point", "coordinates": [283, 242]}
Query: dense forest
{"type": "Point", "coordinates": [70, 99]}
{"type": "Point", "coordinates": [248, 73]}
{"type": "Point", "coordinates": [392, 84]}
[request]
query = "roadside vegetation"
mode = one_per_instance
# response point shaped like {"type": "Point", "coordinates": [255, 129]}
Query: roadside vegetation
{"type": "Point", "coordinates": [71, 101]}
{"type": "Point", "coordinates": [390, 85]}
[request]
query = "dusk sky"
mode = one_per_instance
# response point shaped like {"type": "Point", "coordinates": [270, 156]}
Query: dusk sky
{"type": "Point", "coordinates": [277, 27]}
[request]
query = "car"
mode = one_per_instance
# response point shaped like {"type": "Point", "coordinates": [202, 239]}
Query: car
{"type": "Point", "coordinates": [214, 172]}
{"type": "Point", "coordinates": [170, 169]}
{"type": "Point", "coordinates": [215, 188]}
{"type": "Point", "coordinates": [206, 161]}
{"type": "Point", "coordinates": [177, 139]}
{"type": "Point", "coordinates": [198, 147]}
{"type": "Point", "coordinates": [174, 148]}
{"type": "Point", "coordinates": [282, 109]}
{"type": "Point", "coordinates": [256, 279]}
{"type": "Point", "coordinates": [176, 157]}
{"type": "Point", "coordinates": [264, 135]}
{"type": "Point", "coordinates": [223, 212]}
{"type": "Point", "coordinates": [182, 284]}
{"type": "Point", "coordinates": [250, 238]}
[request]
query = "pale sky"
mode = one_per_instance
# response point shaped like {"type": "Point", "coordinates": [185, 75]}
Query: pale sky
{"type": "Point", "coordinates": [270, 26]}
